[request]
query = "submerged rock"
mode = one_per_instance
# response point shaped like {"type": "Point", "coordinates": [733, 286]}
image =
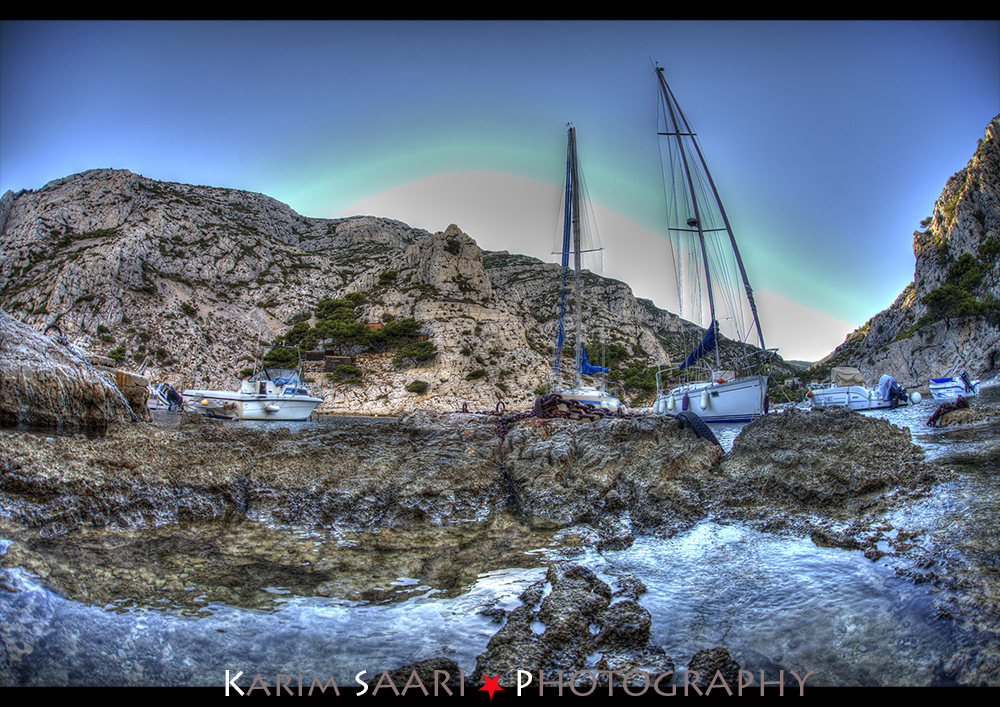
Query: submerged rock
{"type": "Point", "coordinates": [558, 638]}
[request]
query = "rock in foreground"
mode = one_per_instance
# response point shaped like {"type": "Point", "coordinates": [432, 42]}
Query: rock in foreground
{"type": "Point", "coordinates": [832, 459]}
{"type": "Point", "coordinates": [43, 385]}
{"type": "Point", "coordinates": [360, 473]}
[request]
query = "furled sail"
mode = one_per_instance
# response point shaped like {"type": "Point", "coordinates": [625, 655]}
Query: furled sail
{"type": "Point", "coordinates": [587, 369]}
{"type": "Point", "coordinates": [706, 347]}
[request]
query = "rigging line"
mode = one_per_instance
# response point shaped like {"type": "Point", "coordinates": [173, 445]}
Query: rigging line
{"type": "Point", "coordinates": [725, 218]}
{"type": "Point", "coordinates": [673, 242]}
{"type": "Point", "coordinates": [669, 106]}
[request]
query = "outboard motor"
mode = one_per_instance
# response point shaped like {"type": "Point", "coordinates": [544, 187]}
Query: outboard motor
{"type": "Point", "coordinates": [897, 394]}
{"type": "Point", "coordinates": [965, 381]}
{"type": "Point", "coordinates": [174, 399]}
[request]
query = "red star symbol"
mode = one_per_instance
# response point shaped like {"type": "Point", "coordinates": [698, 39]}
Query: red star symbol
{"type": "Point", "coordinates": [491, 685]}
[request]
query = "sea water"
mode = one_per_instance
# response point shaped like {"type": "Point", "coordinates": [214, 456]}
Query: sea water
{"type": "Point", "coordinates": [776, 603]}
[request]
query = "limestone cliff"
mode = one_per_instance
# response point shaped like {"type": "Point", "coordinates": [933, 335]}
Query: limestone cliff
{"type": "Point", "coordinates": [190, 278]}
{"type": "Point", "coordinates": [958, 274]}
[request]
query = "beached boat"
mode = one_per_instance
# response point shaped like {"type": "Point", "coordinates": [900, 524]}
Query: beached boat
{"type": "Point", "coordinates": [847, 388]}
{"type": "Point", "coordinates": [164, 396]}
{"type": "Point", "coordinates": [951, 388]}
{"type": "Point", "coordinates": [569, 382]}
{"type": "Point", "coordinates": [269, 394]}
{"type": "Point", "coordinates": [707, 261]}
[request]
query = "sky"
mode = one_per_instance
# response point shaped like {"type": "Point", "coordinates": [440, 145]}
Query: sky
{"type": "Point", "coordinates": [828, 141]}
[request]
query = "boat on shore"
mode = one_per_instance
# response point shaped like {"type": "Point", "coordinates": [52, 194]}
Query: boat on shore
{"type": "Point", "coordinates": [569, 382]}
{"type": "Point", "coordinates": [707, 261]}
{"type": "Point", "coordinates": [269, 394]}
{"type": "Point", "coordinates": [951, 388]}
{"type": "Point", "coordinates": [847, 388]}
{"type": "Point", "coordinates": [164, 396]}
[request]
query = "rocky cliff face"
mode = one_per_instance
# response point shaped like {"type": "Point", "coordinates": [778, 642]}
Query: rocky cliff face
{"type": "Point", "coordinates": [913, 342]}
{"type": "Point", "coordinates": [44, 384]}
{"type": "Point", "coordinates": [189, 278]}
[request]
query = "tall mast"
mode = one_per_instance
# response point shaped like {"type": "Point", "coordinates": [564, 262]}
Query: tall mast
{"type": "Point", "coordinates": [671, 103]}
{"type": "Point", "coordinates": [567, 232]}
{"type": "Point", "coordinates": [577, 294]}
{"type": "Point", "coordinates": [695, 222]}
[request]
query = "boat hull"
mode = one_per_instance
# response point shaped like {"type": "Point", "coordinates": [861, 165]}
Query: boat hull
{"type": "Point", "coordinates": [740, 400]}
{"type": "Point", "coordinates": [855, 397]}
{"type": "Point", "coordinates": [214, 403]}
{"type": "Point", "coordinates": [593, 396]}
{"type": "Point", "coordinates": [951, 388]}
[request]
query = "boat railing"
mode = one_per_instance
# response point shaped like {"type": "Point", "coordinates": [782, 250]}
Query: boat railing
{"type": "Point", "coordinates": [750, 364]}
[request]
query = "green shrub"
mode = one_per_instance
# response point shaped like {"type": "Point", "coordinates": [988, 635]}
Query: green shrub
{"type": "Point", "coordinates": [417, 386]}
{"type": "Point", "coordinates": [117, 355]}
{"type": "Point", "coordinates": [346, 371]}
{"type": "Point", "coordinates": [188, 309]}
{"type": "Point", "coordinates": [415, 352]}
{"type": "Point", "coordinates": [477, 374]}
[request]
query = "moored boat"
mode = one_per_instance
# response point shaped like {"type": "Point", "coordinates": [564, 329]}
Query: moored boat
{"type": "Point", "coordinates": [951, 388]}
{"type": "Point", "coordinates": [706, 257]}
{"type": "Point", "coordinates": [574, 222]}
{"type": "Point", "coordinates": [847, 388]}
{"type": "Point", "coordinates": [269, 394]}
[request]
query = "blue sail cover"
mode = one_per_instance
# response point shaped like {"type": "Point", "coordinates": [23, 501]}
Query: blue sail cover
{"type": "Point", "coordinates": [585, 367]}
{"type": "Point", "coordinates": [706, 346]}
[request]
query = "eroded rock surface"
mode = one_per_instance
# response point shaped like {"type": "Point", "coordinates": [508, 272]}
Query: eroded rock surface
{"type": "Point", "coordinates": [833, 460]}
{"type": "Point", "coordinates": [361, 473]}
{"type": "Point", "coordinates": [42, 384]}
{"type": "Point", "coordinates": [556, 635]}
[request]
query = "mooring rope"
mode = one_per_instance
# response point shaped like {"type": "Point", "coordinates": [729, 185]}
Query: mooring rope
{"type": "Point", "coordinates": [65, 342]}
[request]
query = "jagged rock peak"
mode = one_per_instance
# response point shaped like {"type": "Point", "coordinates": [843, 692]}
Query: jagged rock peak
{"type": "Point", "coordinates": [908, 340]}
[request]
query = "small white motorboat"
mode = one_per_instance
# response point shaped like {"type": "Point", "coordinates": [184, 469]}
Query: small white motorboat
{"type": "Point", "coordinates": [269, 394]}
{"type": "Point", "coordinates": [847, 388]}
{"type": "Point", "coordinates": [951, 388]}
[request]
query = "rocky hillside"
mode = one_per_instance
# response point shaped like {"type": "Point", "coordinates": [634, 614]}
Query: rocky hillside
{"type": "Point", "coordinates": [948, 318]}
{"type": "Point", "coordinates": [189, 278]}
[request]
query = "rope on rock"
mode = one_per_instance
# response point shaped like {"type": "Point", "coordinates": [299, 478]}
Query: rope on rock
{"type": "Point", "coordinates": [65, 342]}
{"type": "Point", "coordinates": [960, 403]}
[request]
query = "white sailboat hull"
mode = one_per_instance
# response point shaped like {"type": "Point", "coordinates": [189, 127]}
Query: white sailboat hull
{"type": "Point", "coordinates": [593, 396]}
{"type": "Point", "coordinates": [740, 400]}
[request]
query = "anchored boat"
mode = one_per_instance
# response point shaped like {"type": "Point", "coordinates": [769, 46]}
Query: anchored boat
{"type": "Point", "coordinates": [575, 219]}
{"type": "Point", "coordinates": [707, 261]}
{"type": "Point", "coordinates": [269, 394]}
{"type": "Point", "coordinates": [951, 388]}
{"type": "Point", "coordinates": [847, 388]}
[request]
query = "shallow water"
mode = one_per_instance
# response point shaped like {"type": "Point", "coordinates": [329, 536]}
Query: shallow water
{"type": "Point", "coordinates": [180, 606]}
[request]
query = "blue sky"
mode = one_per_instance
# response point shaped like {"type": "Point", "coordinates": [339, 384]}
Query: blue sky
{"type": "Point", "coordinates": [829, 141]}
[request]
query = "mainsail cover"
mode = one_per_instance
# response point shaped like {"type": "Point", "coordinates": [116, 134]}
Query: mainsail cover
{"type": "Point", "coordinates": [585, 367]}
{"type": "Point", "coordinates": [706, 346]}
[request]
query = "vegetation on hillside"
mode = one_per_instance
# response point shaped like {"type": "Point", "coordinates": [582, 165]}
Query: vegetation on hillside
{"type": "Point", "coordinates": [339, 331]}
{"type": "Point", "coordinates": [967, 289]}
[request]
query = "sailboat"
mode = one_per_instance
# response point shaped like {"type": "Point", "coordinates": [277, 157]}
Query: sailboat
{"type": "Point", "coordinates": [707, 262]}
{"type": "Point", "coordinates": [572, 243]}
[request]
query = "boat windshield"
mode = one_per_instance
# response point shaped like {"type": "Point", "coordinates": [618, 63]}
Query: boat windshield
{"type": "Point", "coordinates": [279, 376]}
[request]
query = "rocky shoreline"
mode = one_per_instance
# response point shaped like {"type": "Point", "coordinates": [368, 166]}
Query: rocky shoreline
{"type": "Point", "coordinates": [831, 475]}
